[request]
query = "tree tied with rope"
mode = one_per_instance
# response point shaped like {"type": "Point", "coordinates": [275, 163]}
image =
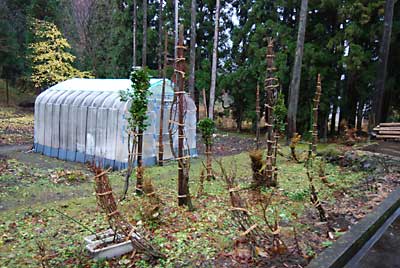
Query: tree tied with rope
{"type": "Point", "coordinates": [271, 84]}
{"type": "Point", "coordinates": [177, 124]}
{"type": "Point", "coordinates": [106, 201]}
{"type": "Point", "coordinates": [137, 124]}
{"type": "Point", "coordinates": [311, 154]}
{"type": "Point", "coordinates": [207, 129]}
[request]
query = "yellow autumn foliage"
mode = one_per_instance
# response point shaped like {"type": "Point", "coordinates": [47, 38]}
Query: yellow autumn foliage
{"type": "Point", "coordinates": [51, 63]}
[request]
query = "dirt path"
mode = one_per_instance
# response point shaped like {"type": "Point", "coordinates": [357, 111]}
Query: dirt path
{"type": "Point", "coordinates": [229, 144]}
{"type": "Point", "coordinates": [30, 179]}
{"type": "Point", "coordinates": [384, 147]}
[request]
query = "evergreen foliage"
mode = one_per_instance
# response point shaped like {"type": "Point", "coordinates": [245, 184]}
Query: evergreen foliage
{"type": "Point", "coordinates": [138, 94]}
{"type": "Point", "coordinates": [342, 41]}
{"type": "Point", "coordinates": [51, 63]}
{"type": "Point", "coordinates": [207, 129]}
{"type": "Point", "coordinates": [280, 112]}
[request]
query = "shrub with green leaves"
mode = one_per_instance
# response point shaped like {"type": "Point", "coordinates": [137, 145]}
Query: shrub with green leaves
{"type": "Point", "coordinates": [138, 93]}
{"type": "Point", "coordinates": [207, 129]}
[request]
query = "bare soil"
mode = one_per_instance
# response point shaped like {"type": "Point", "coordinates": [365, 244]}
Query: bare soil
{"type": "Point", "coordinates": [385, 147]}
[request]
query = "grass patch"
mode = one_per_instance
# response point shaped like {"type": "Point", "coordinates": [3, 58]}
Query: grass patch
{"type": "Point", "coordinates": [187, 238]}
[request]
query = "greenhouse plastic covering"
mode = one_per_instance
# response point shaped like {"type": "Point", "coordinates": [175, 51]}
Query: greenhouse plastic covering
{"type": "Point", "coordinates": [84, 120]}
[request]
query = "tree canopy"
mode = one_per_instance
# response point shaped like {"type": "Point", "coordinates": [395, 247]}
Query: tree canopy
{"type": "Point", "coordinates": [342, 42]}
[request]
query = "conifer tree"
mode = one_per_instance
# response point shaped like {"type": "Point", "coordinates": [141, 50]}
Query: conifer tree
{"type": "Point", "coordinates": [51, 62]}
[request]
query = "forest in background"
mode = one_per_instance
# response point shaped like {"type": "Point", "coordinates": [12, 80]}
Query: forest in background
{"type": "Point", "coordinates": [342, 43]}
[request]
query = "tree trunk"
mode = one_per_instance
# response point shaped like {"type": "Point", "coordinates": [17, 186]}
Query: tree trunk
{"type": "Point", "coordinates": [134, 33]}
{"type": "Point", "coordinates": [333, 120]}
{"type": "Point", "coordinates": [360, 109]}
{"type": "Point", "coordinates": [7, 93]}
{"type": "Point", "coordinates": [383, 59]}
{"type": "Point", "coordinates": [164, 71]}
{"type": "Point", "coordinates": [160, 33]}
{"type": "Point", "coordinates": [176, 18]}
{"type": "Point", "coordinates": [144, 50]}
{"type": "Point", "coordinates": [294, 89]}
{"type": "Point", "coordinates": [214, 64]}
{"type": "Point", "coordinates": [139, 164]}
{"type": "Point", "coordinates": [323, 128]}
{"type": "Point", "coordinates": [183, 167]}
{"type": "Point", "coordinates": [192, 49]}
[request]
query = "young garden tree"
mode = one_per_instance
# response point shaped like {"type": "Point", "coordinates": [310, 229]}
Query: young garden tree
{"type": "Point", "coordinates": [138, 96]}
{"type": "Point", "coordinates": [311, 153]}
{"type": "Point", "coordinates": [51, 63]}
{"type": "Point", "coordinates": [207, 129]}
{"type": "Point", "coordinates": [177, 118]}
{"type": "Point", "coordinates": [271, 85]}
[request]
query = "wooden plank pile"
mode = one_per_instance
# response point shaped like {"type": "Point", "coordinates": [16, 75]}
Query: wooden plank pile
{"type": "Point", "coordinates": [388, 131]}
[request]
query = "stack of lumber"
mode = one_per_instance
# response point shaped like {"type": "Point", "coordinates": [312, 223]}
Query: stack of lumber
{"type": "Point", "coordinates": [388, 131]}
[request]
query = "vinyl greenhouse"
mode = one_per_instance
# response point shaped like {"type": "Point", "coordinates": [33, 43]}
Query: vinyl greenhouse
{"type": "Point", "coordinates": [83, 120]}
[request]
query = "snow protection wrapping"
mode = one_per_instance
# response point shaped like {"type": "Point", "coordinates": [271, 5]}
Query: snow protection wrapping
{"type": "Point", "coordinates": [83, 120]}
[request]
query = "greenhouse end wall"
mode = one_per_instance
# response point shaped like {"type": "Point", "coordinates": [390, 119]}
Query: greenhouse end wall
{"type": "Point", "coordinates": [84, 120]}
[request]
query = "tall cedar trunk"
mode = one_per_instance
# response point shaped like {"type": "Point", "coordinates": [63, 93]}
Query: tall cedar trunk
{"type": "Point", "coordinates": [192, 66]}
{"type": "Point", "coordinates": [176, 19]}
{"type": "Point", "coordinates": [296, 74]}
{"type": "Point", "coordinates": [183, 165]}
{"type": "Point", "coordinates": [144, 50]}
{"type": "Point", "coordinates": [333, 119]}
{"type": "Point", "coordinates": [214, 64]}
{"type": "Point", "coordinates": [134, 33]}
{"type": "Point", "coordinates": [164, 73]}
{"type": "Point", "coordinates": [383, 59]}
{"type": "Point", "coordinates": [359, 116]}
{"type": "Point", "coordinates": [7, 93]}
{"type": "Point", "coordinates": [323, 128]}
{"type": "Point", "coordinates": [205, 102]}
{"type": "Point", "coordinates": [160, 33]}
